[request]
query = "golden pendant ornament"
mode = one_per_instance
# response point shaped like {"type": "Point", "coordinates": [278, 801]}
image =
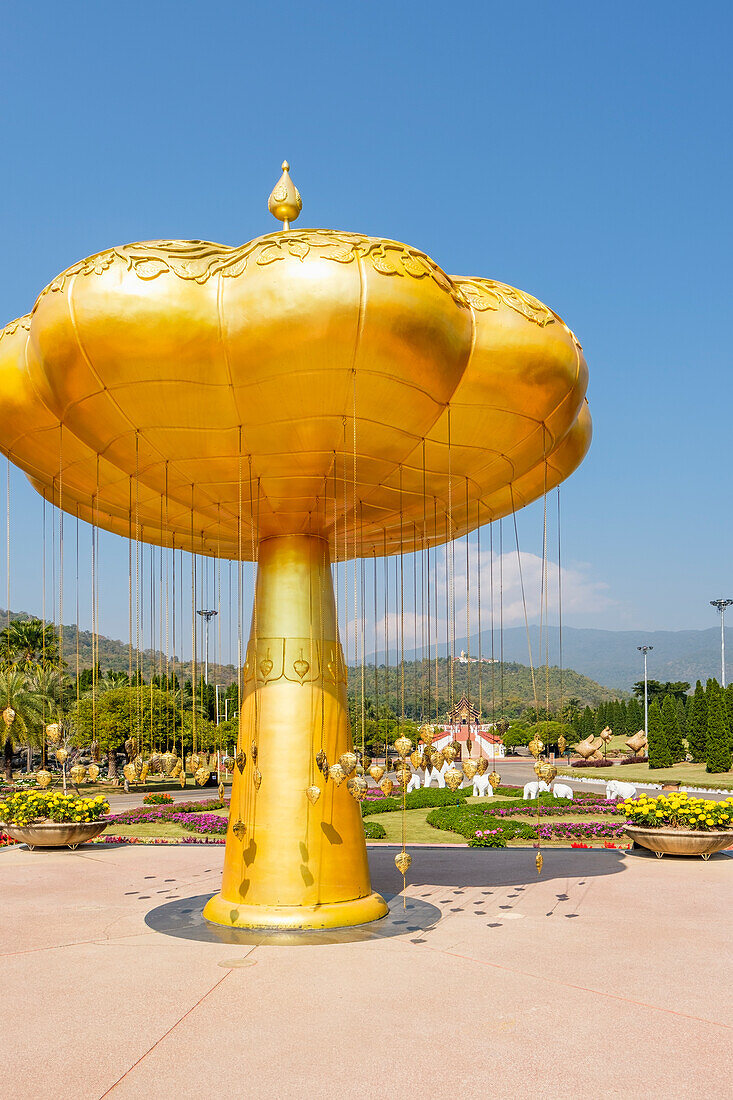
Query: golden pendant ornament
{"type": "Point", "coordinates": [195, 762]}
{"type": "Point", "coordinates": [93, 772]}
{"type": "Point", "coordinates": [201, 776]}
{"type": "Point", "coordinates": [469, 745]}
{"type": "Point", "coordinates": [168, 762]}
{"type": "Point", "coordinates": [347, 760]}
{"type": "Point", "coordinates": [495, 780]}
{"type": "Point", "coordinates": [254, 751]}
{"type": "Point", "coordinates": [403, 745]}
{"type": "Point", "coordinates": [285, 202]}
{"type": "Point", "coordinates": [386, 786]}
{"type": "Point", "coordinates": [536, 746]}
{"type": "Point", "coordinates": [366, 762]}
{"type": "Point", "coordinates": [239, 830]}
{"type": "Point", "coordinates": [561, 744]}
{"type": "Point", "coordinates": [357, 788]}
{"type": "Point", "coordinates": [182, 780]}
{"type": "Point", "coordinates": [453, 778]}
{"type": "Point", "coordinates": [321, 759]}
{"type": "Point", "coordinates": [358, 770]}
{"type": "Point", "coordinates": [155, 763]}
{"type": "Point", "coordinates": [8, 716]}
{"type": "Point", "coordinates": [43, 778]}
{"type": "Point", "coordinates": [450, 753]}
{"type": "Point", "coordinates": [257, 778]}
{"type": "Point", "coordinates": [547, 772]}
{"type": "Point", "coordinates": [241, 760]}
{"type": "Point", "coordinates": [229, 763]}
{"type": "Point", "coordinates": [336, 772]}
{"type": "Point", "coordinates": [470, 767]}
{"type": "Point", "coordinates": [437, 759]}
{"type": "Point", "coordinates": [221, 792]}
{"type": "Point", "coordinates": [313, 794]}
{"type": "Point", "coordinates": [376, 771]}
{"type": "Point", "coordinates": [416, 759]}
{"type": "Point", "coordinates": [144, 772]}
{"type": "Point", "coordinates": [131, 747]}
{"type": "Point", "coordinates": [129, 772]}
{"type": "Point", "coordinates": [53, 733]}
{"type": "Point", "coordinates": [427, 732]}
{"type": "Point", "coordinates": [538, 862]}
{"type": "Point", "coordinates": [95, 751]}
{"type": "Point", "coordinates": [78, 774]}
{"type": "Point", "coordinates": [402, 862]}
{"type": "Point", "coordinates": [61, 755]}
{"type": "Point", "coordinates": [482, 766]}
{"type": "Point", "coordinates": [537, 768]}
{"type": "Point", "coordinates": [402, 780]}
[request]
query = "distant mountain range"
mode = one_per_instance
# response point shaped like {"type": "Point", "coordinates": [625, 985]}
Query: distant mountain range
{"type": "Point", "coordinates": [610, 657]}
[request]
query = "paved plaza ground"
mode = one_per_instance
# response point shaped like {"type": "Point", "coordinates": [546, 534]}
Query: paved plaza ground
{"type": "Point", "coordinates": [609, 972]}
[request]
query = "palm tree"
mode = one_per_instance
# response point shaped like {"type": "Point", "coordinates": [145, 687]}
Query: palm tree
{"type": "Point", "coordinates": [28, 641]}
{"type": "Point", "coordinates": [16, 692]}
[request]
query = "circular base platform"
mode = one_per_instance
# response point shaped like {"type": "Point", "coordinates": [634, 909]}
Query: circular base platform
{"type": "Point", "coordinates": [338, 914]}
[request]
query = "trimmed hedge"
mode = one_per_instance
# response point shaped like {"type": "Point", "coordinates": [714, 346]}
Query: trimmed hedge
{"type": "Point", "coordinates": [374, 830]}
{"type": "Point", "coordinates": [417, 800]}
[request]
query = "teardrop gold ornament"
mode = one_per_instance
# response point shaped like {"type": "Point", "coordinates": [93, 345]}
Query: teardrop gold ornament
{"type": "Point", "coordinates": [376, 771]}
{"type": "Point", "coordinates": [61, 755]}
{"type": "Point", "coordinates": [131, 747]}
{"type": "Point", "coordinates": [8, 716]}
{"type": "Point", "coordinates": [93, 772]}
{"type": "Point", "coordinates": [53, 733]}
{"type": "Point", "coordinates": [536, 746]}
{"type": "Point", "coordinates": [241, 760]}
{"type": "Point", "coordinates": [168, 761]}
{"type": "Point", "coordinates": [285, 202]}
{"type": "Point", "coordinates": [470, 767]}
{"type": "Point", "coordinates": [347, 760]}
{"type": "Point", "coordinates": [366, 762]}
{"type": "Point", "coordinates": [221, 792]}
{"type": "Point", "coordinates": [450, 753]}
{"type": "Point", "coordinates": [129, 773]}
{"type": "Point", "coordinates": [144, 771]}
{"type": "Point", "coordinates": [537, 768]}
{"type": "Point", "coordinates": [416, 759]}
{"type": "Point", "coordinates": [43, 778]}
{"type": "Point", "coordinates": [538, 862]}
{"type": "Point", "coordinates": [483, 765]}
{"type": "Point", "coordinates": [357, 787]}
{"type": "Point", "coordinates": [403, 746]}
{"type": "Point", "coordinates": [427, 732]}
{"type": "Point", "coordinates": [195, 763]}
{"type": "Point", "coordinates": [402, 780]}
{"type": "Point", "coordinates": [561, 744]}
{"type": "Point", "coordinates": [402, 862]}
{"type": "Point", "coordinates": [239, 830]}
{"type": "Point", "coordinates": [469, 745]}
{"type": "Point", "coordinates": [78, 774]}
{"type": "Point", "coordinates": [95, 751]}
{"type": "Point", "coordinates": [547, 772]}
{"type": "Point", "coordinates": [313, 794]}
{"type": "Point", "coordinates": [495, 780]}
{"type": "Point", "coordinates": [257, 778]}
{"type": "Point", "coordinates": [182, 780]}
{"type": "Point", "coordinates": [386, 786]}
{"type": "Point", "coordinates": [320, 759]}
{"type": "Point", "coordinates": [253, 752]}
{"type": "Point", "coordinates": [437, 759]}
{"type": "Point", "coordinates": [336, 772]}
{"type": "Point", "coordinates": [229, 763]}
{"type": "Point", "coordinates": [358, 770]}
{"type": "Point", "coordinates": [453, 778]}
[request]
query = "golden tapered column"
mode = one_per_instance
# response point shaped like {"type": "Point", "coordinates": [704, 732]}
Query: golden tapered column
{"type": "Point", "coordinates": [288, 863]}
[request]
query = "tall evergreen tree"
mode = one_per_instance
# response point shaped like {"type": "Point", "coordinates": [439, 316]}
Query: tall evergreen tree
{"type": "Point", "coordinates": [588, 723]}
{"type": "Point", "coordinates": [659, 754]}
{"type": "Point", "coordinates": [718, 755]}
{"type": "Point", "coordinates": [682, 718]}
{"type": "Point", "coordinates": [728, 693]}
{"type": "Point", "coordinates": [634, 716]}
{"type": "Point", "coordinates": [670, 726]}
{"type": "Point", "coordinates": [697, 726]}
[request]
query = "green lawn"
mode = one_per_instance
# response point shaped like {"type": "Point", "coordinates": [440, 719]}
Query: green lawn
{"type": "Point", "coordinates": [693, 775]}
{"type": "Point", "coordinates": [417, 830]}
{"type": "Point", "coordinates": [163, 829]}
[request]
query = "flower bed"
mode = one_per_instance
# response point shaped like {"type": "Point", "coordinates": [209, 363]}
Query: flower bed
{"type": "Point", "coordinates": [678, 811]}
{"type": "Point", "coordinates": [34, 807]}
{"type": "Point", "coordinates": [144, 816]}
{"type": "Point", "coordinates": [482, 825]}
{"type": "Point", "coordinates": [158, 798]}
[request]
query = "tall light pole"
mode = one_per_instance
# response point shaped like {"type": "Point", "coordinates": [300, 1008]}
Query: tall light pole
{"type": "Point", "coordinates": [207, 616]}
{"type": "Point", "coordinates": [721, 606]}
{"type": "Point", "coordinates": [645, 649]}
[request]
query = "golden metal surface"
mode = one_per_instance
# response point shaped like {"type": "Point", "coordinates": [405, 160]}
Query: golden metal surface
{"type": "Point", "coordinates": [470, 767]}
{"type": "Point", "coordinates": [402, 862]}
{"type": "Point", "coordinates": [561, 744]}
{"type": "Point", "coordinates": [93, 772]}
{"type": "Point", "coordinates": [78, 773]}
{"type": "Point", "coordinates": [53, 733]}
{"type": "Point", "coordinates": [313, 793]}
{"type": "Point", "coordinates": [453, 778]}
{"type": "Point", "coordinates": [43, 777]}
{"type": "Point", "coordinates": [495, 780]}
{"type": "Point", "coordinates": [285, 202]}
{"type": "Point", "coordinates": [376, 771]}
{"type": "Point", "coordinates": [8, 716]}
{"type": "Point", "coordinates": [386, 786]}
{"type": "Point", "coordinates": [176, 358]}
{"type": "Point", "coordinates": [538, 862]}
{"type": "Point", "coordinates": [347, 760]}
{"type": "Point", "coordinates": [304, 864]}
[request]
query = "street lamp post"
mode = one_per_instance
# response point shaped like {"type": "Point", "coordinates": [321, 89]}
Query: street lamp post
{"type": "Point", "coordinates": [645, 649]}
{"type": "Point", "coordinates": [721, 606]}
{"type": "Point", "coordinates": [207, 616]}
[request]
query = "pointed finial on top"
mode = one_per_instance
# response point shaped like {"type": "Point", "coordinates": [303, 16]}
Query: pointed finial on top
{"type": "Point", "coordinates": [285, 202]}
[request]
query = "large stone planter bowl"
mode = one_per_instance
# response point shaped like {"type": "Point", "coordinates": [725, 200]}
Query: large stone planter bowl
{"type": "Point", "coordinates": [680, 842]}
{"type": "Point", "coordinates": [55, 834]}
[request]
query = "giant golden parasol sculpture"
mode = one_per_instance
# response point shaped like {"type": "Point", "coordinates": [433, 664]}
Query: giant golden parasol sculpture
{"type": "Point", "coordinates": [294, 401]}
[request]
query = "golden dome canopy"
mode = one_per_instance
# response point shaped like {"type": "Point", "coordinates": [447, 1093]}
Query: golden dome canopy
{"type": "Point", "coordinates": [307, 381]}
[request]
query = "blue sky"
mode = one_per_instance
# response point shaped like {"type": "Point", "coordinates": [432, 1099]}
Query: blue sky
{"type": "Point", "coordinates": [578, 151]}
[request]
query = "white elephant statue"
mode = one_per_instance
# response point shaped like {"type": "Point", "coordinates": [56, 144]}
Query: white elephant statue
{"type": "Point", "coordinates": [482, 787]}
{"type": "Point", "coordinates": [414, 784]}
{"type": "Point", "coordinates": [433, 774]}
{"type": "Point", "coordinates": [561, 790]}
{"type": "Point", "coordinates": [531, 790]}
{"type": "Point", "coordinates": [616, 789]}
